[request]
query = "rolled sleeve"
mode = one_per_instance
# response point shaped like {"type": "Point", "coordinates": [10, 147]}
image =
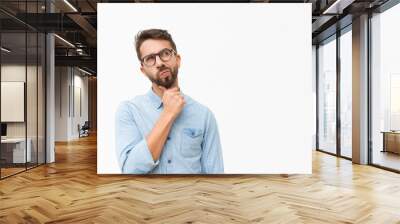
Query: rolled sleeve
{"type": "Point", "coordinates": [139, 160]}
{"type": "Point", "coordinates": [133, 154]}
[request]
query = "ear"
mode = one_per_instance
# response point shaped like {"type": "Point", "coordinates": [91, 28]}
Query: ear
{"type": "Point", "coordinates": [178, 60]}
{"type": "Point", "coordinates": [142, 69]}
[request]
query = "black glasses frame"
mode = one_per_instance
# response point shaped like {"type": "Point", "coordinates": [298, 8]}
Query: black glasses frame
{"type": "Point", "coordinates": [173, 53]}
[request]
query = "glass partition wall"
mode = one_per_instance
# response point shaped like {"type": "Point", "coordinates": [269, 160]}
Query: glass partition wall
{"type": "Point", "coordinates": [345, 61]}
{"type": "Point", "coordinates": [334, 105]}
{"type": "Point", "coordinates": [22, 77]}
{"type": "Point", "coordinates": [327, 95]}
{"type": "Point", "coordinates": [334, 91]}
{"type": "Point", "coordinates": [385, 89]}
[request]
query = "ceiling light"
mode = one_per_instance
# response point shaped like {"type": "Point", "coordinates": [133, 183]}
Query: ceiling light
{"type": "Point", "coordinates": [84, 71]}
{"type": "Point", "coordinates": [5, 50]}
{"type": "Point", "coordinates": [337, 7]}
{"type": "Point", "coordinates": [64, 40]}
{"type": "Point", "coordinates": [70, 5]}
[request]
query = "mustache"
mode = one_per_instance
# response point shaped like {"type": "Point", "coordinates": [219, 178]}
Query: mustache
{"type": "Point", "coordinates": [162, 69]}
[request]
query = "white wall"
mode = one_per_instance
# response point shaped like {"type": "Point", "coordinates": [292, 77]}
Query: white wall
{"type": "Point", "coordinates": [70, 83]}
{"type": "Point", "coordinates": [61, 103]}
{"type": "Point", "coordinates": [255, 78]}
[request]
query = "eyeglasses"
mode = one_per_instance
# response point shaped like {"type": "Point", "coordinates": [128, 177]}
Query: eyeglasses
{"type": "Point", "coordinates": [165, 55]}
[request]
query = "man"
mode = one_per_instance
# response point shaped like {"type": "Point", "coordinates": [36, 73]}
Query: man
{"type": "Point", "coordinates": [165, 131]}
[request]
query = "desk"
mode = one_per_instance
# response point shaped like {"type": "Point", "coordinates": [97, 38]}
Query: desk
{"type": "Point", "coordinates": [13, 150]}
{"type": "Point", "coordinates": [391, 141]}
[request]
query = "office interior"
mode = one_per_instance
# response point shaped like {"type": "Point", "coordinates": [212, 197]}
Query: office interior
{"type": "Point", "coordinates": [47, 81]}
{"type": "Point", "coordinates": [49, 98]}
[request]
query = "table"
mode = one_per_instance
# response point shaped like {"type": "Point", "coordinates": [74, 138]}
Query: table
{"type": "Point", "coordinates": [391, 141]}
{"type": "Point", "coordinates": [13, 150]}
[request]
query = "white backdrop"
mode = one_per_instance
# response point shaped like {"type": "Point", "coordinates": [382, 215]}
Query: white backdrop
{"type": "Point", "coordinates": [249, 63]}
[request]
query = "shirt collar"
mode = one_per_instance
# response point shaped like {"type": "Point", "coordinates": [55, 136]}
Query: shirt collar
{"type": "Point", "coordinates": [154, 98]}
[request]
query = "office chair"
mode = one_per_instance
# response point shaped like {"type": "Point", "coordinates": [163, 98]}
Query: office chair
{"type": "Point", "coordinates": [84, 130]}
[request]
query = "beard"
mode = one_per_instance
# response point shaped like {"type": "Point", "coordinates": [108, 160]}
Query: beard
{"type": "Point", "coordinates": [168, 81]}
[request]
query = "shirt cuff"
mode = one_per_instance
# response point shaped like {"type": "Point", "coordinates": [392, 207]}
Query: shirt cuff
{"type": "Point", "coordinates": [140, 160]}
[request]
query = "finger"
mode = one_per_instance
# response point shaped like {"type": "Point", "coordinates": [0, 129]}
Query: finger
{"type": "Point", "coordinates": [178, 94]}
{"type": "Point", "coordinates": [174, 89]}
{"type": "Point", "coordinates": [177, 97]}
{"type": "Point", "coordinates": [181, 99]}
{"type": "Point", "coordinates": [173, 94]}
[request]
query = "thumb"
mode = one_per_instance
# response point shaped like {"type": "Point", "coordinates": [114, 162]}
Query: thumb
{"type": "Point", "coordinates": [163, 89]}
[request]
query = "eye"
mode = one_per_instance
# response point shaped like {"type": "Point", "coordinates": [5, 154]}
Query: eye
{"type": "Point", "coordinates": [165, 53]}
{"type": "Point", "coordinates": [150, 59]}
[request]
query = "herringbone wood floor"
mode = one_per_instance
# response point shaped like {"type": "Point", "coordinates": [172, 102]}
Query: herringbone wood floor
{"type": "Point", "coordinates": [70, 191]}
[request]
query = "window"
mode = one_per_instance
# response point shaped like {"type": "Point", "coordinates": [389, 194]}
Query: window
{"type": "Point", "coordinates": [385, 89]}
{"type": "Point", "coordinates": [346, 93]}
{"type": "Point", "coordinates": [327, 96]}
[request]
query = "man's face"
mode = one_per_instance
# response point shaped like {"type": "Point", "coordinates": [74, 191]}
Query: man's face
{"type": "Point", "coordinates": [163, 73]}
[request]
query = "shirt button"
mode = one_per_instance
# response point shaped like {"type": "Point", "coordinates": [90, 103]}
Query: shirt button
{"type": "Point", "coordinates": [169, 161]}
{"type": "Point", "coordinates": [168, 138]}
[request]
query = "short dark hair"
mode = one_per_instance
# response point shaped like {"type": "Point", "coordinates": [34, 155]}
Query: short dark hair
{"type": "Point", "coordinates": [157, 34]}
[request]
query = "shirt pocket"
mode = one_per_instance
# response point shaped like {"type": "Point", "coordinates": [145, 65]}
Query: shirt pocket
{"type": "Point", "coordinates": [191, 142]}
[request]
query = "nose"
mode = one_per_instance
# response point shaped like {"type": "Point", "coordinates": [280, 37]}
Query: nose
{"type": "Point", "coordinates": [159, 62]}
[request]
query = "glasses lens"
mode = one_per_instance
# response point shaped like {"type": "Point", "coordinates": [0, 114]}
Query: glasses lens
{"type": "Point", "coordinates": [165, 54]}
{"type": "Point", "coordinates": [149, 60]}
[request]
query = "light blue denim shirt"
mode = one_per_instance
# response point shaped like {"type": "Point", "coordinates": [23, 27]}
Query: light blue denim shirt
{"type": "Point", "coordinates": [192, 147]}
